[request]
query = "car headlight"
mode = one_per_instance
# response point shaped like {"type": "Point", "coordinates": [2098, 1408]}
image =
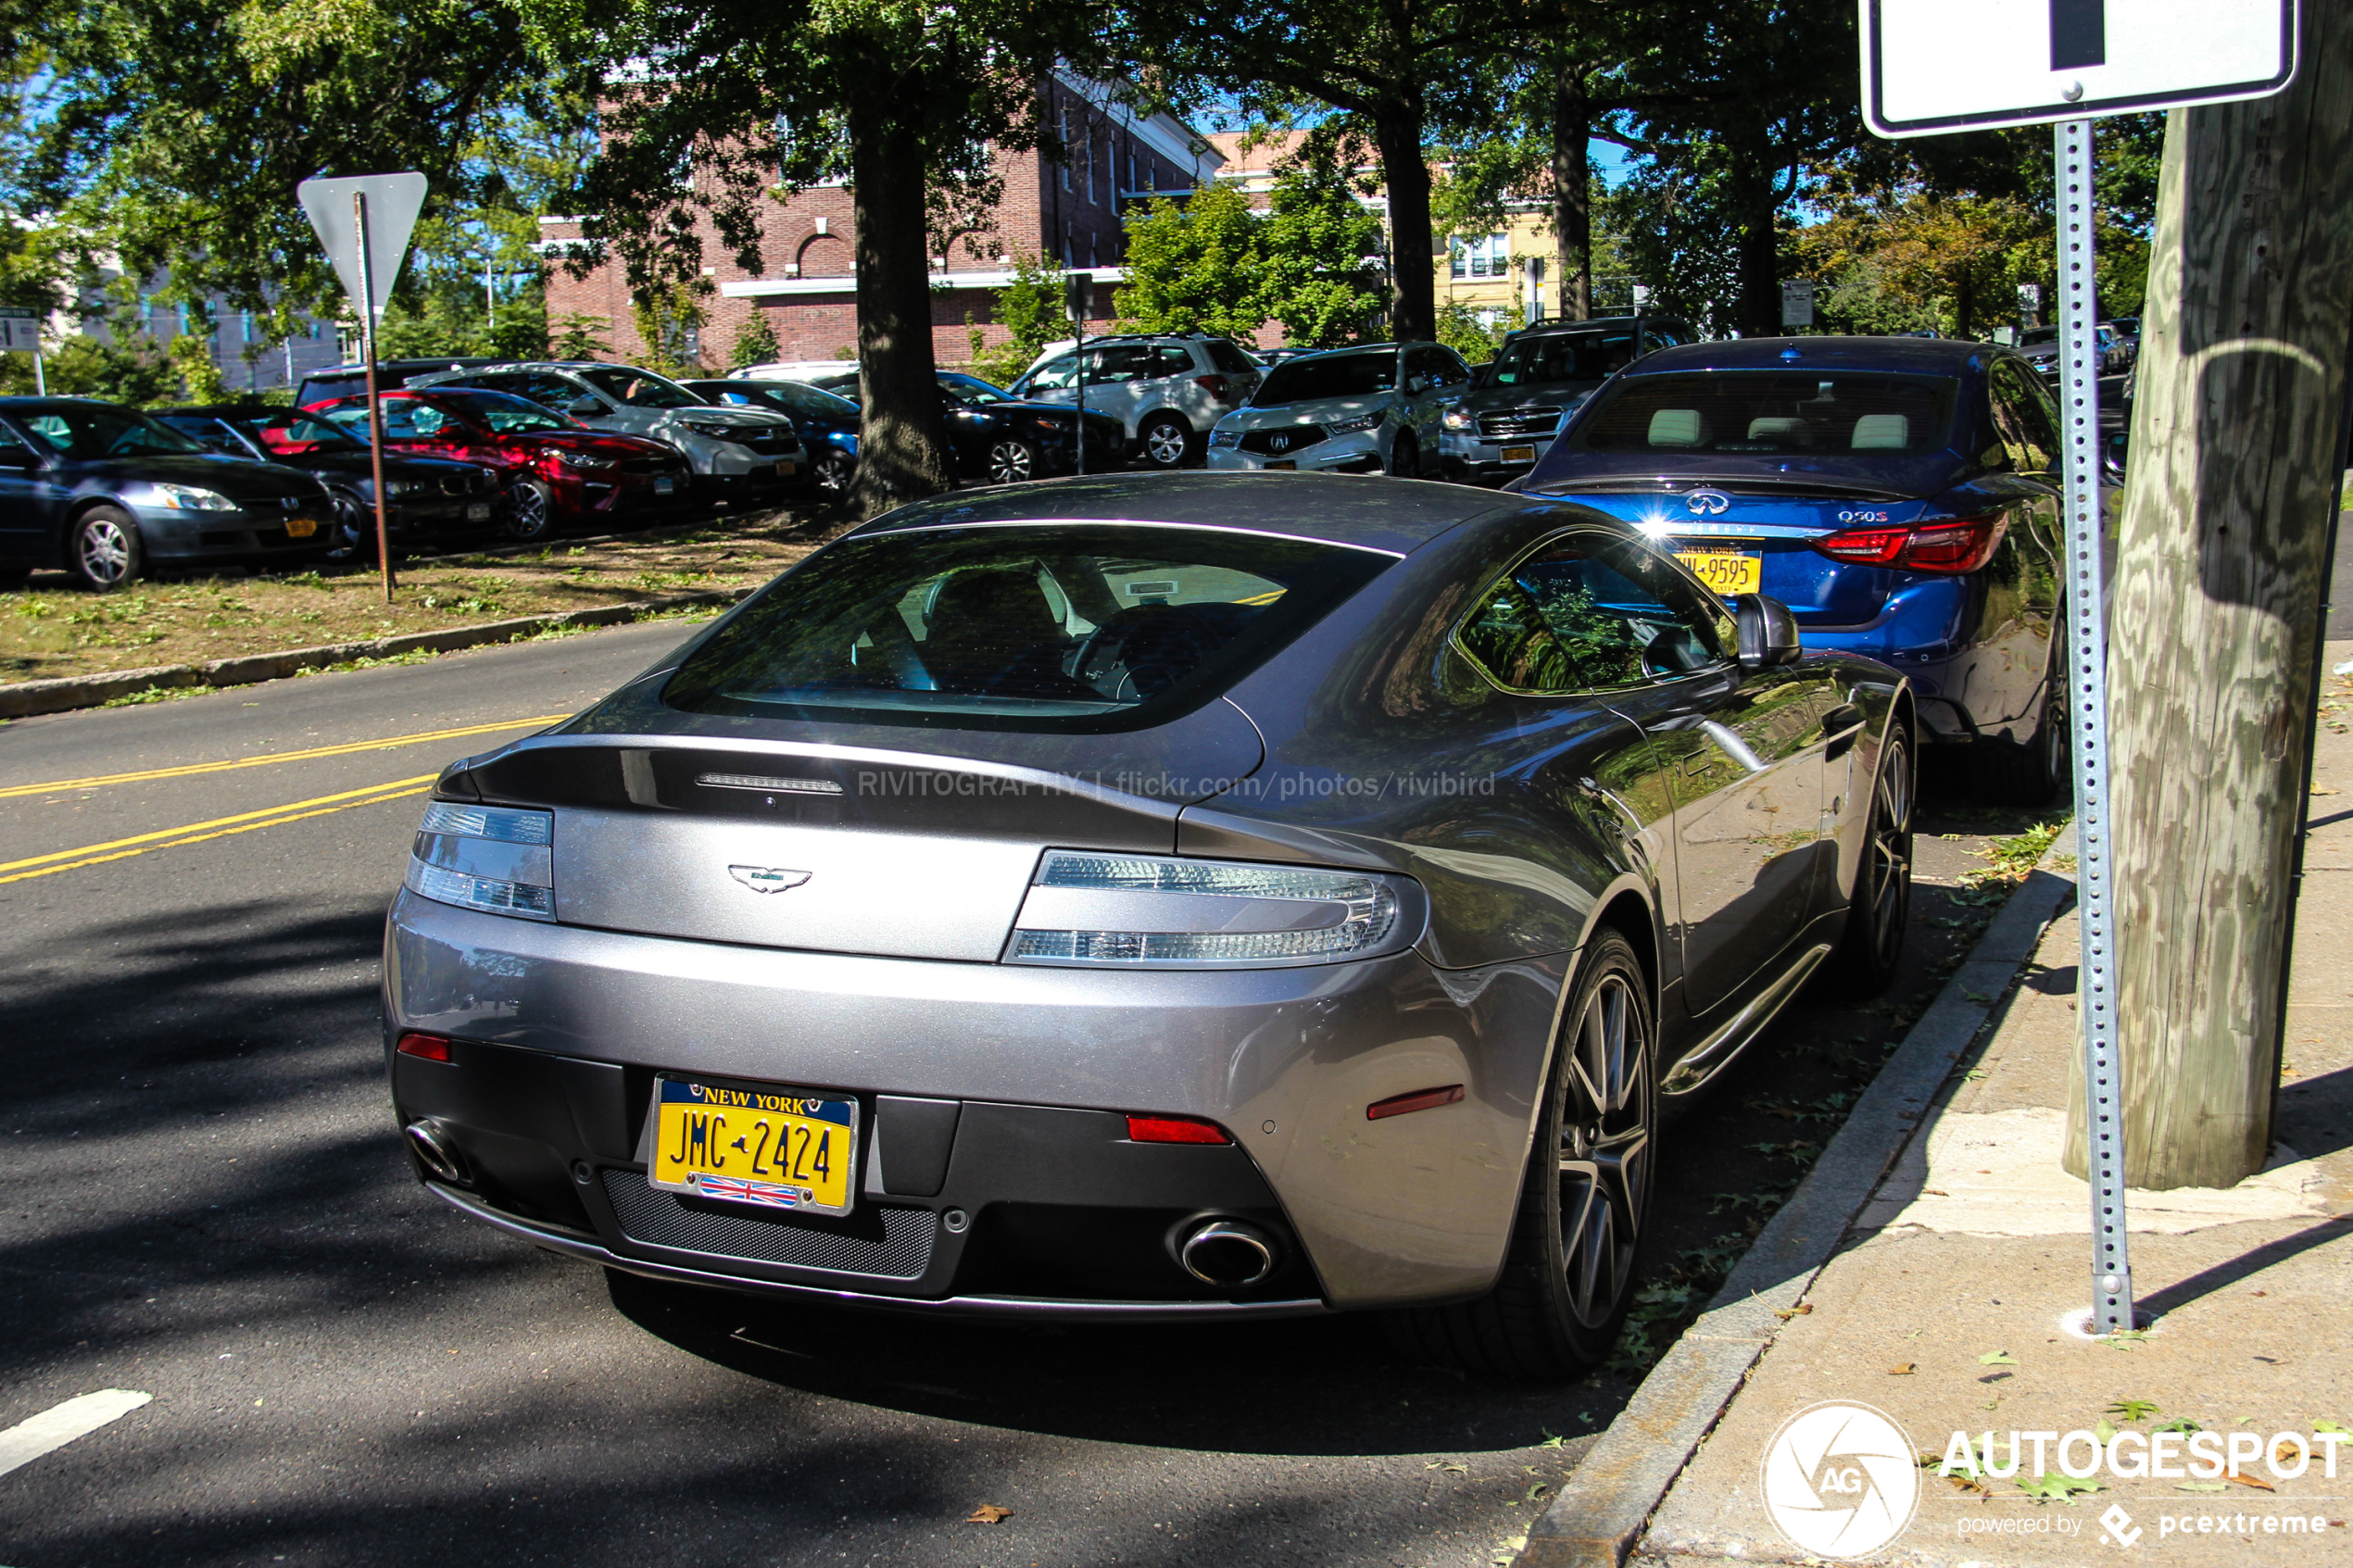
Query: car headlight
{"type": "Point", "coordinates": [1455, 419]}
{"type": "Point", "coordinates": [396, 488]}
{"type": "Point", "coordinates": [1350, 427]}
{"type": "Point", "coordinates": [717, 432]}
{"type": "Point", "coordinates": [573, 460]}
{"type": "Point", "coordinates": [181, 497]}
{"type": "Point", "coordinates": [491, 858]}
{"type": "Point", "coordinates": [1145, 912]}
{"type": "Point", "coordinates": [1223, 438]}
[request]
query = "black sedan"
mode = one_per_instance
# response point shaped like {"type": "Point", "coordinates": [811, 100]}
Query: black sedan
{"type": "Point", "coordinates": [829, 424]}
{"type": "Point", "coordinates": [107, 493]}
{"type": "Point", "coordinates": [428, 501]}
{"type": "Point", "coordinates": [1000, 438]}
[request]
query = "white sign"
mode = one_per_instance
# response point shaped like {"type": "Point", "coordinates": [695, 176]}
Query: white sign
{"type": "Point", "coordinates": [1797, 303]}
{"type": "Point", "coordinates": [393, 203]}
{"type": "Point", "coordinates": [20, 328]}
{"type": "Point", "coordinates": [1933, 66]}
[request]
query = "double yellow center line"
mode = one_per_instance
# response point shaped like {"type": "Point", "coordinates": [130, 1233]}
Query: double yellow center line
{"type": "Point", "coordinates": [243, 821]}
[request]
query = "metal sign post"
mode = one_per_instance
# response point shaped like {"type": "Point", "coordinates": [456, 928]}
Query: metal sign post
{"type": "Point", "coordinates": [1078, 294]}
{"type": "Point", "coordinates": [363, 222]}
{"type": "Point", "coordinates": [2086, 675]}
{"type": "Point", "coordinates": [1930, 69]}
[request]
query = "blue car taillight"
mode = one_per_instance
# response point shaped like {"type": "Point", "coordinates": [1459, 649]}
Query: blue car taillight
{"type": "Point", "coordinates": [1946, 545]}
{"type": "Point", "coordinates": [494, 858]}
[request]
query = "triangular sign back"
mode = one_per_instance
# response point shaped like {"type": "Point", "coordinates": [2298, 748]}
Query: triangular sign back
{"type": "Point", "coordinates": [393, 201]}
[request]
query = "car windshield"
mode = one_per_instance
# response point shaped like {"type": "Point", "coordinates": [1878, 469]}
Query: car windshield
{"type": "Point", "coordinates": [638, 389]}
{"type": "Point", "coordinates": [1069, 628]}
{"type": "Point", "coordinates": [1561, 356]}
{"type": "Point", "coordinates": [971, 389]}
{"type": "Point", "coordinates": [503, 412]}
{"type": "Point", "coordinates": [1327, 375]}
{"type": "Point", "coordinates": [295, 435]}
{"type": "Point", "coordinates": [1727, 412]}
{"type": "Point", "coordinates": [791, 397]}
{"type": "Point", "coordinates": [92, 431]}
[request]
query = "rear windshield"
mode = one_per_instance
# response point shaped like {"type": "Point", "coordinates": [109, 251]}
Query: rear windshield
{"type": "Point", "coordinates": [1562, 356]}
{"type": "Point", "coordinates": [1770, 411]}
{"type": "Point", "coordinates": [1326, 375]}
{"type": "Point", "coordinates": [1055, 628]}
{"type": "Point", "coordinates": [1229, 359]}
{"type": "Point", "coordinates": [504, 412]}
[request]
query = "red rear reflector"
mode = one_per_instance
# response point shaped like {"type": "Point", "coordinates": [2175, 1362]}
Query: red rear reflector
{"type": "Point", "coordinates": [1420, 1099]}
{"type": "Point", "coordinates": [433, 1047]}
{"type": "Point", "coordinates": [1174, 1129]}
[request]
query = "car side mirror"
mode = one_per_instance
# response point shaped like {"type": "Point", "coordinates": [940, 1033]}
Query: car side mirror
{"type": "Point", "coordinates": [1415, 386]}
{"type": "Point", "coordinates": [1768, 632]}
{"type": "Point", "coordinates": [2113, 456]}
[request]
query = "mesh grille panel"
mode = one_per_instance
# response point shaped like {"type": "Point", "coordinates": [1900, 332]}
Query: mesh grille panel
{"type": "Point", "coordinates": [659, 1219]}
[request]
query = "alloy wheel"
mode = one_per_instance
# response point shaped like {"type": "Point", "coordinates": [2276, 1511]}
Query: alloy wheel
{"type": "Point", "coordinates": [1010, 463]}
{"type": "Point", "coordinates": [104, 551]}
{"type": "Point", "coordinates": [1166, 444]}
{"type": "Point", "coordinates": [1887, 858]}
{"type": "Point", "coordinates": [837, 470]}
{"type": "Point", "coordinates": [1605, 1150]}
{"type": "Point", "coordinates": [528, 512]}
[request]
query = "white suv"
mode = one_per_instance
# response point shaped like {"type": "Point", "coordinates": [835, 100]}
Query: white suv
{"type": "Point", "coordinates": [1167, 389]}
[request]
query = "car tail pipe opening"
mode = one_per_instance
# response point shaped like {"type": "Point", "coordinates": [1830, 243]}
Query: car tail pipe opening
{"type": "Point", "coordinates": [437, 1154]}
{"type": "Point", "coordinates": [1230, 1253]}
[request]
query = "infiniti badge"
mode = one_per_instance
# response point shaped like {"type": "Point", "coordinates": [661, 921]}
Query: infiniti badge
{"type": "Point", "coordinates": [767, 879]}
{"type": "Point", "coordinates": [1707, 503]}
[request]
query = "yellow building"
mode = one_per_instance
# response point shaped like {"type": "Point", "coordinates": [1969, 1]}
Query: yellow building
{"type": "Point", "coordinates": [1508, 277]}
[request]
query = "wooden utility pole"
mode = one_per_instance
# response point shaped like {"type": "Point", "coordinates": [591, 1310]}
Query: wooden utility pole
{"type": "Point", "coordinates": [2220, 570]}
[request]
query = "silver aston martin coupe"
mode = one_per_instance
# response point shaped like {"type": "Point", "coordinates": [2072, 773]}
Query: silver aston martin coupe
{"type": "Point", "coordinates": [1152, 896]}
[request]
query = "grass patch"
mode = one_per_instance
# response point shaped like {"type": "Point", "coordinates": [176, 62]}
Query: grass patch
{"type": "Point", "coordinates": [52, 628]}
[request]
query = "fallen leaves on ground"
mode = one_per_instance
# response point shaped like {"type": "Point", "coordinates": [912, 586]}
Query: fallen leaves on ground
{"type": "Point", "coordinates": [988, 1513]}
{"type": "Point", "coordinates": [1903, 1369]}
{"type": "Point", "coordinates": [1997, 1358]}
{"type": "Point", "coordinates": [2057, 1489]}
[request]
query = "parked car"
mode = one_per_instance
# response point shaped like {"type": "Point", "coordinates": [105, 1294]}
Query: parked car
{"type": "Point", "coordinates": [1001, 438]}
{"type": "Point", "coordinates": [743, 452]}
{"type": "Point", "coordinates": [1507, 416]}
{"type": "Point", "coordinates": [352, 381]}
{"type": "Point", "coordinates": [1273, 356]}
{"type": "Point", "coordinates": [828, 425]}
{"type": "Point", "coordinates": [429, 501]}
{"type": "Point", "coordinates": [2040, 348]}
{"type": "Point", "coordinates": [1371, 409]}
{"type": "Point", "coordinates": [1167, 389]}
{"type": "Point", "coordinates": [2126, 333]}
{"type": "Point", "coordinates": [791, 370]}
{"type": "Point", "coordinates": [558, 473]}
{"type": "Point", "coordinates": [108, 494]}
{"type": "Point", "coordinates": [1300, 925]}
{"type": "Point", "coordinates": [1901, 495]}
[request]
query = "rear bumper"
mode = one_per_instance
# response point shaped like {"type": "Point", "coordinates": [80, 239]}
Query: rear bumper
{"type": "Point", "coordinates": [560, 1030]}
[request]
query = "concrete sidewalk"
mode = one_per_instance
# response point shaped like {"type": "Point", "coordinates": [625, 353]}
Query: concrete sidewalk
{"type": "Point", "coordinates": [1946, 1307]}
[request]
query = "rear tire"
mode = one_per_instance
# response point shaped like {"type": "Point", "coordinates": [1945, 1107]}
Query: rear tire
{"type": "Point", "coordinates": [1568, 1278]}
{"type": "Point", "coordinates": [354, 531]}
{"type": "Point", "coordinates": [103, 549]}
{"type": "Point", "coordinates": [1167, 441]}
{"type": "Point", "coordinates": [1404, 457]}
{"type": "Point", "coordinates": [1011, 461]}
{"type": "Point", "coordinates": [837, 471]}
{"type": "Point", "coordinates": [1880, 912]}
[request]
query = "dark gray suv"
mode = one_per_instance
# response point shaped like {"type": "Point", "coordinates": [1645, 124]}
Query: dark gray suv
{"type": "Point", "coordinates": [1499, 428]}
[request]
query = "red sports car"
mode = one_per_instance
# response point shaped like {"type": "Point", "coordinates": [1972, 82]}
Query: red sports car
{"type": "Point", "coordinates": [557, 471]}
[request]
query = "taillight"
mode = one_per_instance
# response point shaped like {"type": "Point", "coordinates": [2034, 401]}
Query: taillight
{"type": "Point", "coordinates": [1215, 385]}
{"type": "Point", "coordinates": [497, 859]}
{"type": "Point", "coordinates": [1955, 544]}
{"type": "Point", "coordinates": [1174, 1129]}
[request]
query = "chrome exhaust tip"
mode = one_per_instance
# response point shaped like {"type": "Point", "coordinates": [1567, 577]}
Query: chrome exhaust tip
{"type": "Point", "coordinates": [1229, 1254]}
{"type": "Point", "coordinates": [437, 1154]}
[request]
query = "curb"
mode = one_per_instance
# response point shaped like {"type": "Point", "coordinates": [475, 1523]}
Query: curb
{"type": "Point", "coordinates": [27, 698]}
{"type": "Point", "coordinates": [1602, 1508]}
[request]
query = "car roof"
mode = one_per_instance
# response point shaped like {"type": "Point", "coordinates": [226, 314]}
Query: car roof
{"type": "Point", "coordinates": [222, 410]}
{"type": "Point", "coordinates": [1923, 356]}
{"type": "Point", "coordinates": [1338, 508]}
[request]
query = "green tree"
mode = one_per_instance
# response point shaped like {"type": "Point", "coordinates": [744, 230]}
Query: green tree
{"type": "Point", "coordinates": [1320, 251]}
{"type": "Point", "coordinates": [908, 100]}
{"type": "Point", "coordinates": [1198, 266]}
{"type": "Point", "coordinates": [755, 343]}
{"type": "Point", "coordinates": [1030, 308]}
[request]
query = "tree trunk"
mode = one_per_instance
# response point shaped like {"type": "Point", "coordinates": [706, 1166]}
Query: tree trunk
{"type": "Point", "coordinates": [1573, 192]}
{"type": "Point", "coordinates": [1757, 252]}
{"type": "Point", "coordinates": [902, 447]}
{"type": "Point", "coordinates": [1413, 308]}
{"type": "Point", "coordinates": [2219, 580]}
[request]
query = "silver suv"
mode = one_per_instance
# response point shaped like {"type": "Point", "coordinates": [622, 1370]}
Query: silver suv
{"type": "Point", "coordinates": [1167, 389]}
{"type": "Point", "coordinates": [729, 449]}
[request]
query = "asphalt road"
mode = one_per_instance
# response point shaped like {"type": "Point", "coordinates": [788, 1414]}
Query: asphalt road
{"type": "Point", "coordinates": [206, 1201]}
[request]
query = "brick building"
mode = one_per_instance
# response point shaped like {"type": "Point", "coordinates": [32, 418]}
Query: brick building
{"type": "Point", "coordinates": [1064, 213]}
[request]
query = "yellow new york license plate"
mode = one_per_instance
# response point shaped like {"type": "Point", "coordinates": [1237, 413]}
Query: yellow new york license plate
{"type": "Point", "coordinates": [1726, 571]}
{"type": "Point", "coordinates": [784, 469]}
{"type": "Point", "coordinates": [1284, 463]}
{"type": "Point", "coordinates": [1519, 453]}
{"type": "Point", "coordinates": [771, 1148]}
{"type": "Point", "coordinates": [301, 527]}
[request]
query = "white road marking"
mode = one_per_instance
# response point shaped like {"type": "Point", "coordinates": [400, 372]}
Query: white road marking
{"type": "Point", "coordinates": [60, 1424]}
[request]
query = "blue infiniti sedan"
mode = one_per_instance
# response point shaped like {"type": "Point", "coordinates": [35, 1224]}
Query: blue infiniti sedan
{"type": "Point", "coordinates": [1901, 495]}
